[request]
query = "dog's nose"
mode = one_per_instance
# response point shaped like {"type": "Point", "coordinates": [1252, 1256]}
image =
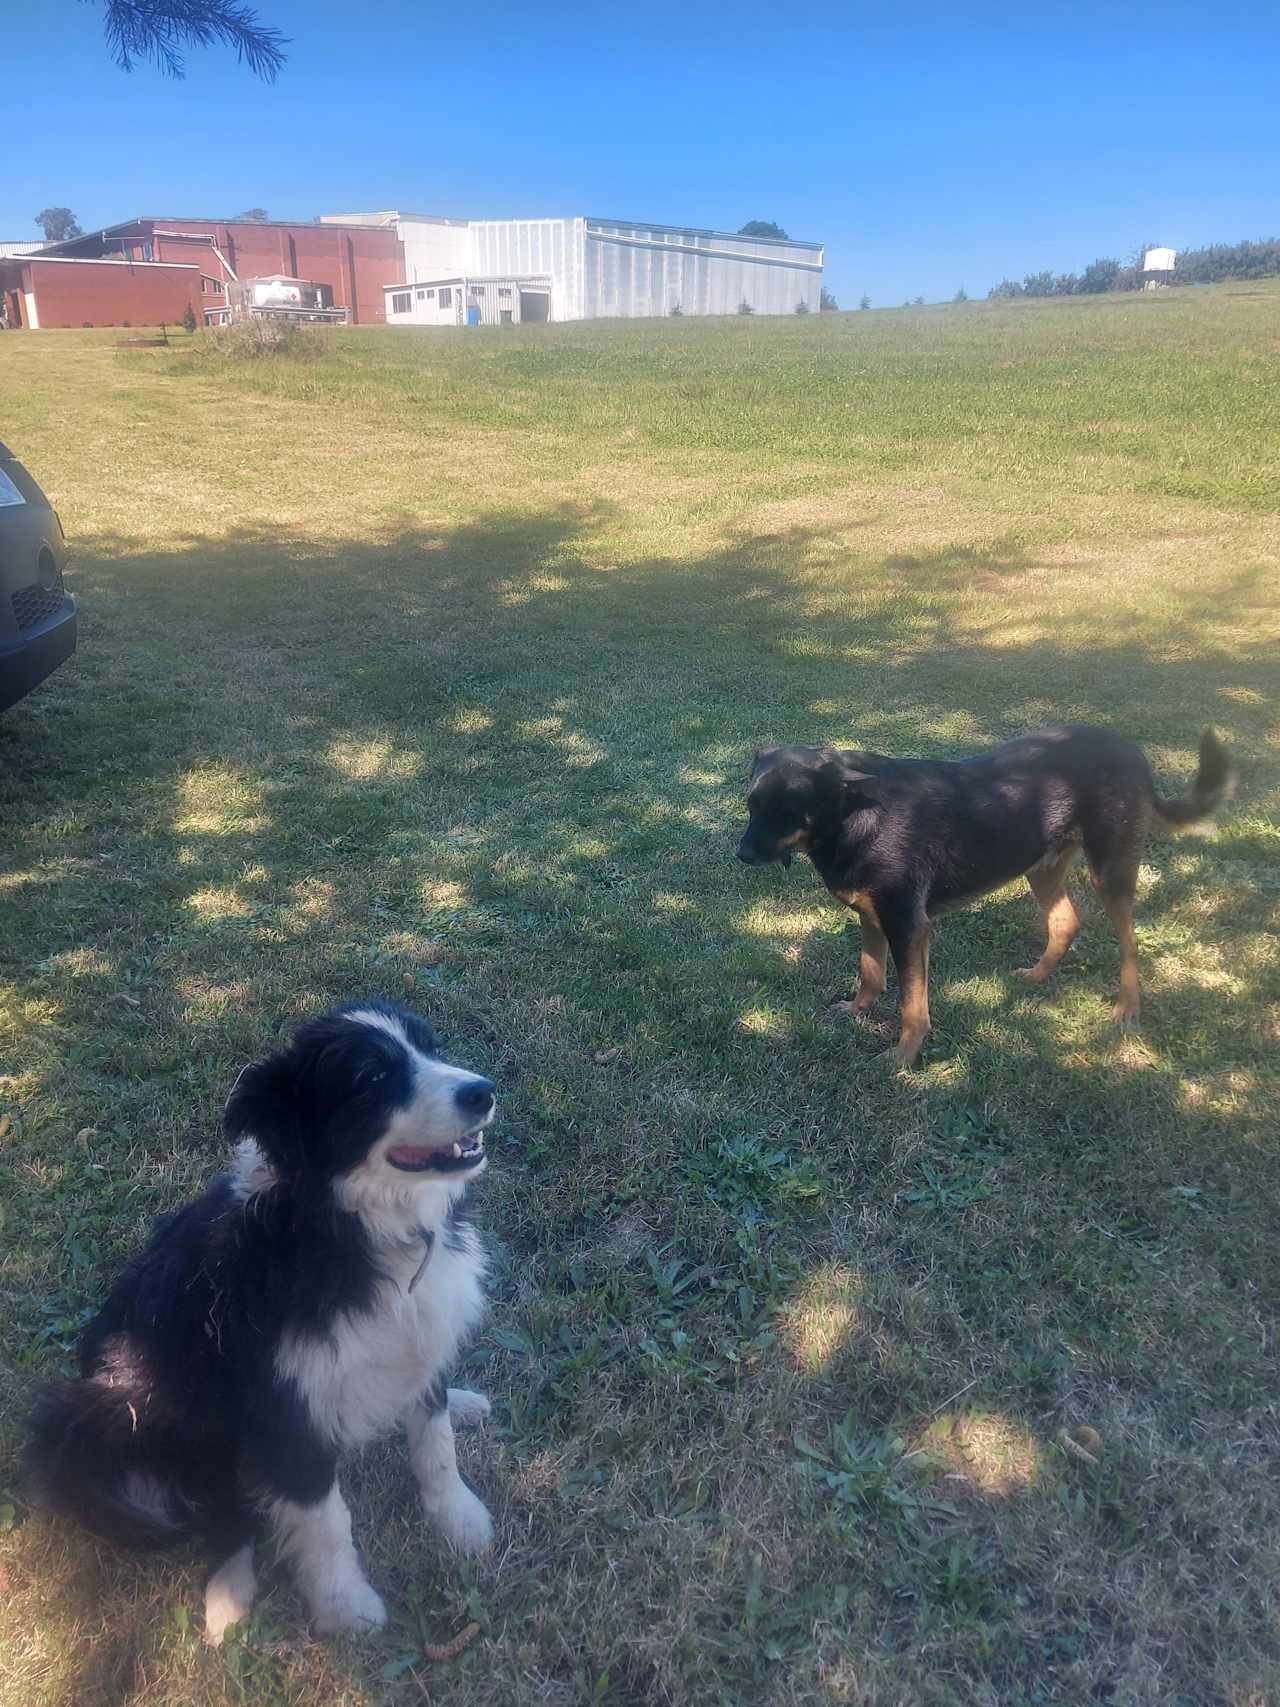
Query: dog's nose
{"type": "Point", "coordinates": [475, 1097]}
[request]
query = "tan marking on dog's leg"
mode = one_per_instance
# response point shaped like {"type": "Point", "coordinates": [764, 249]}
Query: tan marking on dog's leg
{"type": "Point", "coordinates": [1120, 912]}
{"type": "Point", "coordinates": [1061, 921]}
{"type": "Point", "coordinates": [913, 990]}
{"type": "Point", "coordinates": [871, 963]}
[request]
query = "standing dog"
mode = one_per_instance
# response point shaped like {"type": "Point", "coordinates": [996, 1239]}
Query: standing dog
{"type": "Point", "coordinates": [312, 1297]}
{"type": "Point", "coordinates": [902, 840]}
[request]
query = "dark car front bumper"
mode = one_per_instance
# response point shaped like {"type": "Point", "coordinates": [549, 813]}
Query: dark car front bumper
{"type": "Point", "coordinates": [37, 655]}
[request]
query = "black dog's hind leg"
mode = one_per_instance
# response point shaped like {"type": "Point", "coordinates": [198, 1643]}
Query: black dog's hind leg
{"type": "Point", "coordinates": [1113, 864]}
{"type": "Point", "coordinates": [1061, 921]}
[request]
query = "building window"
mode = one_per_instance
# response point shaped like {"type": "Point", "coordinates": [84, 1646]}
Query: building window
{"type": "Point", "coordinates": [402, 303]}
{"type": "Point", "coordinates": [210, 287]}
{"type": "Point", "coordinates": [430, 295]}
{"type": "Point", "coordinates": [446, 296]}
{"type": "Point", "coordinates": [422, 296]}
{"type": "Point", "coordinates": [477, 290]}
{"type": "Point", "coordinates": [504, 290]}
{"type": "Point", "coordinates": [146, 251]}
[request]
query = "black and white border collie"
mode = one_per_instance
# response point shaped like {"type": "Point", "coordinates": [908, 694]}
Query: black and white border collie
{"type": "Point", "coordinates": [315, 1295]}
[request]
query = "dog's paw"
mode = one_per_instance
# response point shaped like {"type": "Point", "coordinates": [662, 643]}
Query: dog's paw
{"type": "Point", "coordinates": [1125, 1015]}
{"type": "Point", "coordinates": [229, 1596]}
{"type": "Point", "coordinates": [856, 1010]}
{"type": "Point", "coordinates": [353, 1606]}
{"type": "Point", "coordinates": [464, 1521]}
{"type": "Point", "coordinates": [903, 1055]}
{"type": "Point", "coordinates": [466, 1408]}
{"type": "Point", "coordinates": [1031, 974]}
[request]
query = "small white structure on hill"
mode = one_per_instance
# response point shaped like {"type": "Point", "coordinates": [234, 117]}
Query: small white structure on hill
{"type": "Point", "coordinates": [1157, 268]}
{"type": "Point", "coordinates": [504, 271]}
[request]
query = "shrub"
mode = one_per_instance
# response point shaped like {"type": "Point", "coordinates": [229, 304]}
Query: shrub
{"type": "Point", "coordinates": [1258, 260]}
{"type": "Point", "coordinates": [677, 313]}
{"type": "Point", "coordinates": [744, 307]}
{"type": "Point", "coordinates": [188, 319]}
{"type": "Point", "coordinates": [802, 307]}
{"type": "Point", "coordinates": [250, 340]}
{"type": "Point", "coordinates": [827, 303]}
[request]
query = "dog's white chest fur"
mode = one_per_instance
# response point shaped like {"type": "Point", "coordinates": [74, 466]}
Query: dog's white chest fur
{"type": "Point", "coordinates": [370, 1368]}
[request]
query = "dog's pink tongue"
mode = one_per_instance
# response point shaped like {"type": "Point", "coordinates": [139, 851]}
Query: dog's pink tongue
{"type": "Point", "coordinates": [410, 1155]}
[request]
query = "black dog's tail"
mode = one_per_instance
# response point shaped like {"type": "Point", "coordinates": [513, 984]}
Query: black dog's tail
{"type": "Point", "coordinates": [94, 1459]}
{"type": "Point", "coordinates": [1215, 781]}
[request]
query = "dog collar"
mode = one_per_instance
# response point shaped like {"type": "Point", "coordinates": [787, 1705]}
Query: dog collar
{"type": "Point", "coordinates": [428, 1245]}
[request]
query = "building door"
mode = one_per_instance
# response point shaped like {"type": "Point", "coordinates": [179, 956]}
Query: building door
{"type": "Point", "coordinates": [535, 305]}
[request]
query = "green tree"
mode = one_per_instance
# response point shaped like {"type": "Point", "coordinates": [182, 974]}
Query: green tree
{"type": "Point", "coordinates": [826, 302]}
{"type": "Point", "coordinates": [58, 224]}
{"type": "Point", "coordinates": [761, 228]}
{"type": "Point", "coordinates": [188, 319]}
{"type": "Point", "coordinates": [961, 295]}
{"type": "Point", "coordinates": [865, 301]}
{"type": "Point", "coordinates": [254, 215]}
{"type": "Point", "coordinates": [161, 30]}
{"type": "Point", "coordinates": [1100, 275]}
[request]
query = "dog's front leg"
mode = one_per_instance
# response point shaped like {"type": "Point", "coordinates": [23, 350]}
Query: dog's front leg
{"type": "Point", "coordinates": [449, 1504]}
{"type": "Point", "coordinates": [911, 957]}
{"type": "Point", "coordinates": [871, 980]}
{"type": "Point", "coordinates": [316, 1538]}
{"type": "Point", "coordinates": [229, 1593]}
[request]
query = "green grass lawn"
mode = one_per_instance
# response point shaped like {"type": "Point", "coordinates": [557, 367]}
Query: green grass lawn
{"type": "Point", "coordinates": [433, 664]}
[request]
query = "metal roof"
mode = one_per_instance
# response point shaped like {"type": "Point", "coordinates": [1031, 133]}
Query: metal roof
{"type": "Point", "coordinates": [697, 231]}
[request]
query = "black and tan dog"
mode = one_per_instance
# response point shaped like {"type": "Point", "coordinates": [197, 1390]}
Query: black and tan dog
{"type": "Point", "coordinates": [902, 840]}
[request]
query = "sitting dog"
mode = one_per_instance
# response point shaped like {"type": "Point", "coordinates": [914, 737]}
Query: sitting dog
{"type": "Point", "coordinates": [312, 1297]}
{"type": "Point", "coordinates": [902, 840]}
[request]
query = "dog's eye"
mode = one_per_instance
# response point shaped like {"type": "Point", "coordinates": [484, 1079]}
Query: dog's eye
{"type": "Point", "coordinates": [373, 1075]}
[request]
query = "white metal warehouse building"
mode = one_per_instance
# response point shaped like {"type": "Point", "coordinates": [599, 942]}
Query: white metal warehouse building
{"type": "Point", "coordinates": [497, 271]}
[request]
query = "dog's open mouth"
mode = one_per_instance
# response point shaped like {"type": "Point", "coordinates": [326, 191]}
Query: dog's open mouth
{"type": "Point", "coordinates": [453, 1158]}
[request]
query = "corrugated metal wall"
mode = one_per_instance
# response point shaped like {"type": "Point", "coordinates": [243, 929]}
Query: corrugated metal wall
{"type": "Point", "coordinates": [638, 271]}
{"type": "Point", "coordinates": [527, 248]}
{"type": "Point", "coordinates": [610, 269]}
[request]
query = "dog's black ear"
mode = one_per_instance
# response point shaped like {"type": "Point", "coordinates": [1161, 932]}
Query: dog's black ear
{"type": "Point", "coordinates": [761, 757]}
{"type": "Point", "coordinates": [264, 1106]}
{"type": "Point", "coordinates": [842, 787]}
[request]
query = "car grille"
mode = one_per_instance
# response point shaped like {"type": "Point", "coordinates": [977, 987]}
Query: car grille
{"type": "Point", "coordinates": [34, 605]}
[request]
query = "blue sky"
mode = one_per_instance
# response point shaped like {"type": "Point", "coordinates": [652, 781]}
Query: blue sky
{"type": "Point", "coordinates": [929, 147]}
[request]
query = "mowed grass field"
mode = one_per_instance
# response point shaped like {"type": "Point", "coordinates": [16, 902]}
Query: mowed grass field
{"type": "Point", "coordinates": [432, 666]}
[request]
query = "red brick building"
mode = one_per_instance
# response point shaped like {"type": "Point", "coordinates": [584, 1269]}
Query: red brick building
{"type": "Point", "coordinates": [147, 270]}
{"type": "Point", "coordinates": [39, 290]}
